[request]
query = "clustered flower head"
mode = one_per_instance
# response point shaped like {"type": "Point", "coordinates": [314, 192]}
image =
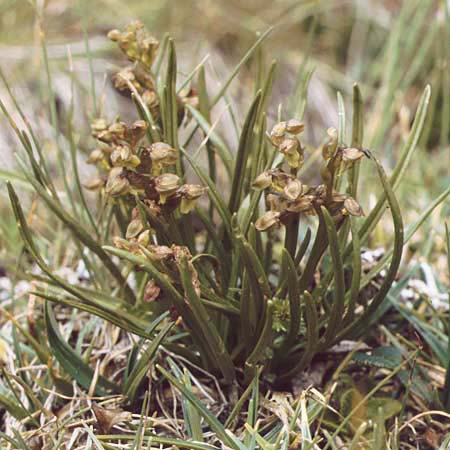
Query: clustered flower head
{"type": "Point", "coordinates": [137, 44]}
{"type": "Point", "coordinates": [145, 170]}
{"type": "Point", "coordinates": [287, 196]}
{"type": "Point", "coordinates": [141, 49]}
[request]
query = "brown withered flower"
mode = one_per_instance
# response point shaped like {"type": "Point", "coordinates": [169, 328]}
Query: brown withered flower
{"type": "Point", "coordinates": [151, 292]}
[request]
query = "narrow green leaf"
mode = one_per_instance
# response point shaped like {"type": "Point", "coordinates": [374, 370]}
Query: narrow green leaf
{"type": "Point", "coordinates": [220, 146]}
{"type": "Point", "coordinates": [236, 70]}
{"type": "Point", "coordinates": [294, 302]}
{"type": "Point", "coordinates": [356, 272]}
{"type": "Point", "coordinates": [212, 337]}
{"type": "Point", "coordinates": [71, 361]}
{"type": "Point", "coordinates": [446, 391]}
{"type": "Point", "coordinates": [141, 368]}
{"type": "Point", "coordinates": [336, 313]}
{"type": "Point", "coordinates": [244, 147]}
{"type": "Point", "coordinates": [259, 351]}
{"type": "Point", "coordinates": [13, 407]}
{"type": "Point", "coordinates": [357, 138]}
{"type": "Point", "coordinates": [399, 171]}
{"type": "Point", "coordinates": [312, 337]}
{"type": "Point", "coordinates": [77, 229]}
{"type": "Point", "coordinates": [359, 326]}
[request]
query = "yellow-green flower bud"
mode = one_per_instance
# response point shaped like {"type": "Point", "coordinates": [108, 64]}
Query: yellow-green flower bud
{"type": "Point", "coordinates": [329, 148]}
{"type": "Point", "coordinates": [144, 238]}
{"type": "Point", "coordinates": [98, 125]}
{"type": "Point", "coordinates": [94, 184]}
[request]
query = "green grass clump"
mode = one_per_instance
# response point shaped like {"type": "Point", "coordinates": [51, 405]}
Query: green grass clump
{"type": "Point", "coordinates": [244, 299]}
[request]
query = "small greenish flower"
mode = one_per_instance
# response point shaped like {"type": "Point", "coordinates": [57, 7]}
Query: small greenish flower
{"type": "Point", "coordinates": [352, 207]}
{"type": "Point", "coordinates": [293, 189]}
{"type": "Point", "coordinates": [303, 204]}
{"type": "Point", "coordinates": [351, 155]}
{"type": "Point", "coordinates": [166, 185]}
{"type": "Point", "coordinates": [123, 156]}
{"type": "Point", "coordinates": [144, 238]}
{"type": "Point", "coordinates": [329, 147]}
{"type": "Point", "coordinates": [160, 252]}
{"type": "Point", "coordinates": [98, 125]}
{"type": "Point", "coordinates": [94, 184]}
{"type": "Point", "coordinates": [263, 181]}
{"type": "Point", "coordinates": [117, 183]}
{"type": "Point", "coordinates": [151, 292]}
{"type": "Point", "coordinates": [292, 151]}
{"type": "Point", "coordinates": [135, 132]}
{"type": "Point", "coordinates": [134, 78]}
{"type": "Point", "coordinates": [277, 134]}
{"type": "Point", "coordinates": [134, 228]}
{"type": "Point", "coordinates": [95, 156]}
{"type": "Point", "coordinates": [189, 195]}
{"type": "Point", "coordinates": [163, 154]}
{"type": "Point", "coordinates": [268, 220]}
